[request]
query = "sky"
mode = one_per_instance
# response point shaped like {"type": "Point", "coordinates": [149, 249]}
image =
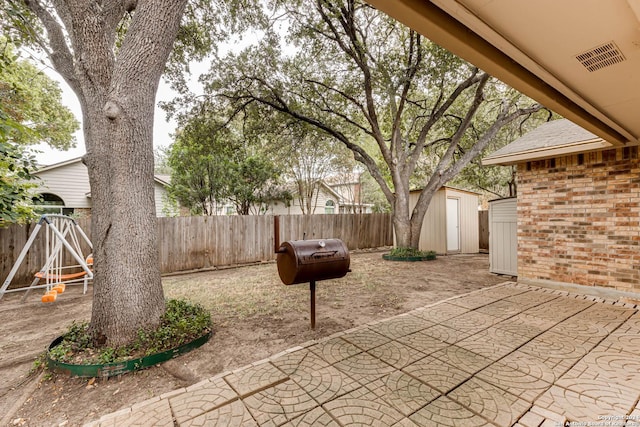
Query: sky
{"type": "Point", "coordinates": [162, 129]}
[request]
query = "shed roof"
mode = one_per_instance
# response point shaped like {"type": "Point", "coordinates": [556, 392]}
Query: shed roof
{"type": "Point", "coordinates": [558, 137]}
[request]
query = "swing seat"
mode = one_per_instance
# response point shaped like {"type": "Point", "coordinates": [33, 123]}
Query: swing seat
{"type": "Point", "coordinates": [61, 277]}
{"type": "Point", "coordinates": [59, 288]}
{"type": "Point", "coordinates": [49, 296]}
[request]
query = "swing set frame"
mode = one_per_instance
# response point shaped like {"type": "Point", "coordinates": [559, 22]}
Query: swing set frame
{"type": "Point", "coordinates": [62, 233]}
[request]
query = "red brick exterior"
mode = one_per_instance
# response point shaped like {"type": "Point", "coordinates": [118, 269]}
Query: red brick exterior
{"type": "Point", "coordinates": [579, 219]}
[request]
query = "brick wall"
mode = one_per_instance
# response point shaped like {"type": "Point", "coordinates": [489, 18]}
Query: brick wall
{"type": "Point", "coordinates": [579, 219]}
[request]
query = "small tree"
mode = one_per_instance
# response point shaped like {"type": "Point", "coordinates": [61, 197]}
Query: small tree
{"type": "Point", "coordinates": [214, 162]}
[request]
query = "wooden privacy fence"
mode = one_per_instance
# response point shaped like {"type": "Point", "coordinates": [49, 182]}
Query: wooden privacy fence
{"type": "Point", "coordinates": [483, 225]}
{"type": "Point", "coordinates": [189, 243]}
{"type": "Point", "coordinates": [192, 243]}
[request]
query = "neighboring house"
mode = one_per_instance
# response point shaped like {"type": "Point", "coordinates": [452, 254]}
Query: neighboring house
{"type": "Point", "coordinates": [328, 199]}
{"type": "Point", "coordinates": [451, 222]}
{"type": "Point", "coordinates": [325, 201]}
{"type": "Point", "coordinates": [349, 189]}
{"type": "Point", "coordinates": [578, 209]}
{"type": "Point", "coordinates": [65, 189]}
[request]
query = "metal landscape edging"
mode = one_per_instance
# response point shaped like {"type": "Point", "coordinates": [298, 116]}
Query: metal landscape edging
{"type": "Point", "coordinates": [117, 368]}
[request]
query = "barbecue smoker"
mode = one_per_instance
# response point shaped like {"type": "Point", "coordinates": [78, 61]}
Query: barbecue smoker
{"type": "Point", "coordinates": [301, 261]}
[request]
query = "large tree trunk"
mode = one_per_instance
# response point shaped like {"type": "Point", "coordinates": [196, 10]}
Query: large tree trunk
{"type": "Point", "coordinates": [128, 293]}
{"type": "Point", "coordinates": [402, 218]}
{"type": "Point", "coordinates": [116, 87]}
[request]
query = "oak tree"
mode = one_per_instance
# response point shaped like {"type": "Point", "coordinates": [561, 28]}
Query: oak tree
{"type": "Point", "coordinates": [405, 107]}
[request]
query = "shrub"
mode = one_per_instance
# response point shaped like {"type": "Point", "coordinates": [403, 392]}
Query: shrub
{"type": "Point", "coordinates": [182, 322]}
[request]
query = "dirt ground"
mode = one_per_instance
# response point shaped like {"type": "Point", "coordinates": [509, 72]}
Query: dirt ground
{"type": "Point", "coordinates": [254, 317]}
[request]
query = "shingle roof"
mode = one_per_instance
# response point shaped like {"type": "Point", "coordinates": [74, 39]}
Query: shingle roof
{"type": "Point", "coordinates": [542, 141]}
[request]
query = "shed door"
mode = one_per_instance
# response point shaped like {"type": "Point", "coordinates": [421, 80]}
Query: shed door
{"type": "Point", "coordinates": [453, 224]}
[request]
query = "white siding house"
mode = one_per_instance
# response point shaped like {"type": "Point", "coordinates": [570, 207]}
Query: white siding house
{"type": "Point", "coordinates": [65, 187]}
{"type": "Point", "coordinates": [325, 201]}
{"type": "Point", "coordinates": [451, 222]}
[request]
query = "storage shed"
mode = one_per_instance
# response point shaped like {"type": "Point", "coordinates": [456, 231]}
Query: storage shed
{"type": "Point", "coordinates": [451, 222]}
{"type": "Point", "coordinates": [503, 236]}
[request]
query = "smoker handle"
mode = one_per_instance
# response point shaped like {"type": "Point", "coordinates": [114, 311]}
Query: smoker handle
{"type": "Point", "coordinates": [323, 254]}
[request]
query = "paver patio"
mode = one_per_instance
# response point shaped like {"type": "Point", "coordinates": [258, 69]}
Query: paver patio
{"type": "Point", "coordinates": [509, 355]}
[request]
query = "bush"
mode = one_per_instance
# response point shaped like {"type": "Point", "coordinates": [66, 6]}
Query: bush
{"type": "Point", "coordinates": [182, 322]}
{"type": "Point", "coordinates": [411, 252]}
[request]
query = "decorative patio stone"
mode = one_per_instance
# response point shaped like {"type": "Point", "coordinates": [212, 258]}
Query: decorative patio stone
{"type": "Point", "coordinates": [446, 333]}
{"type": "Point", "coordinates": [504, 290]}
{"type": "Point", "coordinates": [197, 401]}
{"type": "Point", "coordinates": [500, 309]}
{"type": "Point", "coordinates": [364, 368]}
{"type": "Point", "coordinates": [463, 359]}
{"type": "Point", "coordinates": [324, 384]}
{"type": "Point", "coordinates": [487, 345]}
{"type": "Point", "coordinates": [578, 329]}
{"type": "Point", "coordinates": [301, 360]}
{"type": "Point", "coordinates": [363, 408]}
{"type": "Point", "coordinates": [553, 310]}
{"type": "Point", "coordinates": [471, 322]}
{"type": "Point", "coordinates": [512, 355]}
{"type": "Point", "coordinates": [556, 346]}
{"type": "Point", "coordinates": [472, 301]}
{"type": "Point", "coordinates": [621, 342]}
{"type": "Point", "coordinates": [578, 407]}
{"type": "Point", "coordinates": [622, 396]}
{"type": "Point", "coordinates": [441, 312]}
{"type": "Point", "coordinates": [255, 378]}
{"type": "Point", "coordinates": [534, 366]}
{"type": "Point", "coordinates": [516, 382]}
{"type": "Point", "coordinates": [530, 299]}
{"type": "Point", "coordinates": [606, 315]}
{"type": "Point", "coordinates": [423, 342]}
{"type": "Point", "coordinates": [489, 401]}
{"type": "Point", "coordinates": [398, 354]}
{"type": "Point", "coordinates": [446, 412]}
{"type": "Point", "coordinates": [279, 404]}
{"type": "Point", "coordinates": [235, 414]}
{"type": "Point", "coordinates": [366, 339]}
{"type": "Point", "coordinates": [404, 393]}
{"type": "Point", "coordinates": [157, 414]}
{"type": "Point", "coordinates": [317, 417]}
{"type": "Point", "coordinates": [334, 350]}
{"type": "Point", "coordinates": [437, 374]}
{"type": "Point", "coordinates": [617, 368]}
{"type": "Point", "coordinates": [401, 326]}
{"type": "Point", "coordinates": [526, 326]}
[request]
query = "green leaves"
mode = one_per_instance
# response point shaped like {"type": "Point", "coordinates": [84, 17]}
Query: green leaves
{"type": "Point", "coordinates": [215, 163]}
{"type": "Point", "coordinates": [29, 98]}
{"type": "Point", "coordinates": [16, 181]}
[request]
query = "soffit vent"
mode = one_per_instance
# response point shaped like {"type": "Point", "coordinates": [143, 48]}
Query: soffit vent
{"type": "Point", "coordinates": [601, 57]}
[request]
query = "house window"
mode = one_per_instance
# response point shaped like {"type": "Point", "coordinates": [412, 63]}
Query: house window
{"type": "Point", "coordinates": [329, 207]}
{"type": "Point", "coordinates": [48, 203]}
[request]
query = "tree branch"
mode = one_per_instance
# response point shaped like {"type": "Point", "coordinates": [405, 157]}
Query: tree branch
{"type": "Point", "coordinates": [58, 52]}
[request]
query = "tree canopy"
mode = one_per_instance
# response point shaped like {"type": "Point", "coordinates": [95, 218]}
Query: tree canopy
{"type": "Point", "coordinates": [412, 113]}
{"type": "Point", "coordinates": [214, 163]}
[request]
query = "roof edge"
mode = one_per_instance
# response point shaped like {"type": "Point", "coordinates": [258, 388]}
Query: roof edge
{"type": "Point", "coordinates": [594, 144]}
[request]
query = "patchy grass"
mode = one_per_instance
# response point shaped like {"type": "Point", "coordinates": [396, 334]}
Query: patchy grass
{"type": "Point", "coordinates": [258, 291]}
